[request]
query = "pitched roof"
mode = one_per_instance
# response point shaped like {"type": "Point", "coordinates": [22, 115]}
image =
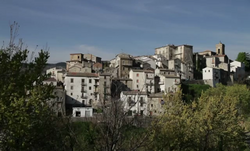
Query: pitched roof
{"type": "Point", "coordinates": [142, 70]}
{"type": "Point", "coordinates": [97, 65]}
{"type": "Point", "coordinates": [171, 76]}
{"type": "Point", "coordinates": [134, 93]}
{"type": "Point", "coordinates": [74, 74]}
{"type": "Point", "coordinates": [76, 54]}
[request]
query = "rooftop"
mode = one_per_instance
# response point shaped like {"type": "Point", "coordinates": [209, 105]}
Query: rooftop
{"type": "Point", "coordinates": [76, 54]}
{"type": "Point", "coordinates": [171, 76]}
{"type": "Point", "coordinates": [156, 95]}
{"type": "Point", "coordinates": [74, 74]}
{"type": "Point", "coordinates": [134, 93]}
{"type": "Point", "coordinates": [142, 70]}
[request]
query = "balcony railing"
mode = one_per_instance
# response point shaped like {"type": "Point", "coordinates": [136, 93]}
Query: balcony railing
{"type": "Point", "coordinates": [84, 84]}
{"type": "Point", "coordinates": [84, 97]}
{"type": "Point", "coordinates": [83, 90]}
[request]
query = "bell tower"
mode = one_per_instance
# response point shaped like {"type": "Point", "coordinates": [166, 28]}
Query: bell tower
{"type": "Point", "coordinates": [220, 49]}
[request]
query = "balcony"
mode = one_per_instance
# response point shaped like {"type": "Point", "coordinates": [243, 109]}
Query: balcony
{"type": "Point", "coordinates": [84, 84]}
{"type": "Point", "coordinates": [84, 97]}
{"type": "Point", "coordinates": [95, 93]}
{"type": "Point", "coordinates": [83, 90]}
{"type": "Point", "coordinates": [96, 84]}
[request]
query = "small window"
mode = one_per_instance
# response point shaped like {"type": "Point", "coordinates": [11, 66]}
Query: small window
{"type": "Point", "coordinates": [208, 70]}
{"type": "Point", "coordinates": [90, 80]}
{"type": "Point", "coordinates": [137, 86]}
{"type": "Point", "coordinates": [105, 83]}
{"type": "Point", "coordinates": [72, 80]}
{"type": "Point", "coordinates": [152, 105]}
{"type": "Point", "coordinates": [71, 87]}
{"type": "Point", "coordinates": [137, 74]}
{"type": "Point", "coordinates": [78, 57]}
{"type": "Point", "coordinates": [71, 94]}
{"type": "Point", "coordinates": [137, 81]}
{"type": "Point", "coordinates": [104, 77]}
{"type": "Point", "coordinates": [83, 80]}
{"type": "Point", "coordinates": [89, 88]}
{"type": "Point", "coordinates": [205, 70]}
{"type": "Point", "coordinates": [78, 114]}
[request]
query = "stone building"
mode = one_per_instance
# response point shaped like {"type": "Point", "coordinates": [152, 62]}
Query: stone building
{"type": "Point", "coordinates": [124, 62]}
{"type": "Point", "coordinates": [182, 52]}
{"type": "Point", "coordinates": [104, 88]}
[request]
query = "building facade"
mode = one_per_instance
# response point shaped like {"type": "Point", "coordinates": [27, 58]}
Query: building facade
{"type": "Point", "coordinates": [135, 103]}
{"type": "Point", "coordinates": [81, 88]}
{"type": "Point", "coordinates": [211, 76]}
{"type": "Point", "coordinates": [143, 80]}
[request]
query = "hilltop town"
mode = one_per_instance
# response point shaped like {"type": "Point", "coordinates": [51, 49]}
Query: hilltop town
{"type": "Point", "coordinates": [88, 83]}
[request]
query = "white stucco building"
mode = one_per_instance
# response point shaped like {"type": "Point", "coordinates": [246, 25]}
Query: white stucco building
{"type": "Point", "coordinates": [51, 81]}
{"type": "Point", "coordinates": [211, 76]}
{"type": "Point", "coordinates": [82, 112]}
{"type": "Point", "coordinates": [56, 73]}
{"type": "Point", "coordinates": [143, 80]}
{"type": "Point", "coordinates": [167, 83]}
{"type": "Point", "coordinates": [135, 102]}
{"type": "Point", "coordinates": [81, 88]}
{"type": "Point", "coordinates": [238, 70]}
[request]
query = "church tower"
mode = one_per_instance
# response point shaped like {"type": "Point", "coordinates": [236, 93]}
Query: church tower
{"type": "Point", "coordinates": [220, 49]}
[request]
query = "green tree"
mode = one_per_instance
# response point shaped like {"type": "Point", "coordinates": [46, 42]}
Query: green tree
{"type": "Point", "coordinates": [26, 120]}
{"type": "Point", "coordinates": [213, 122]}
{"type": "Point", "coordinates": [244, 57]}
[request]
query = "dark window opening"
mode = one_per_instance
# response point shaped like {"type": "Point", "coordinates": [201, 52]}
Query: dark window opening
{"type": "Point", "coordinates": [78, 113]}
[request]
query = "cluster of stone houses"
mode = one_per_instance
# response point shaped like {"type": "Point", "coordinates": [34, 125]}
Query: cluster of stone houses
{"type": "Point", "coordinates": [140, 82]}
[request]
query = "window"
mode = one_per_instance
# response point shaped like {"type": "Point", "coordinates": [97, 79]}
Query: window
{"type": "Point", "coordinates": [104, 77]}
{"type": "Point", "coordinates": [89, 88]}
{"type": "Point", "coordinates": [90, 80]}
{"type": "Point", "coordinates": [208, 70]}
{"type": "Point", "coordinates": [83, 80]}
{"type": "Point", "coordinates": [83, 101]}
{"type": "Point", "coordinates": [72, 80]}
{"type": "Point", "coordinates": [137, 74]}
{"type": "Point", "coordinates": [78, 114]}
{"type": "Point", "coordinates": [141, 112]}
{"type": "Point", "coordinates": [78, 57]}
{"type": "Point", "coordinates": [137, 81]}
{"type": "Point", "coordinates": [137, 86]}
{"type": "Point", "coordinates": [71, 87]}
{"type": "Point", "coordinates": [71, 94]}
{"type": "Point", "coordinates": [205, 70]}
{"type": "Point", "coordinates": [152, 105]}
{"type": "Point", "coordinates": [105, 83]}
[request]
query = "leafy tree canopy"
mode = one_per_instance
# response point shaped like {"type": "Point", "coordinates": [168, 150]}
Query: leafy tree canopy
{"type": "Point", "coordinates": [213, 122]}
{"type": "Point", "coordinates": [244, 57]}
{"type": "Point", "coordinates": [26, 121]}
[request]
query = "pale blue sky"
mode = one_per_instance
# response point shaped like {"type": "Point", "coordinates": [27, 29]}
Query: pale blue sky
{"type": "Point", "coordinates": [108, 27]}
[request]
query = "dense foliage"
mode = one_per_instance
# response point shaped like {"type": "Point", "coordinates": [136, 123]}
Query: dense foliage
{"type": "Point", "coordinates": [214, 122]}
{"type": "Point", "coordinates": [244, 57]}
{"type": "Point", "coordinates": [26, 120]}
{"type": "Point", "coordinates": [193, 91]}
